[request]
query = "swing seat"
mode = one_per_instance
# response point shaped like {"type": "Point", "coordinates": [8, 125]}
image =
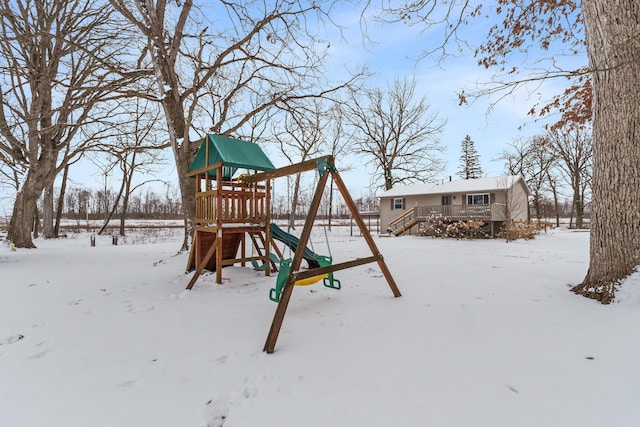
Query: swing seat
{"type": "Point", "coordinates": [324, 262]}
{"type": "Point", "coordinates": [257, 266]}
{"type": "Point", "coordinates": [310, 280]}
{"type": "Point", "coordinates": [285, 267]}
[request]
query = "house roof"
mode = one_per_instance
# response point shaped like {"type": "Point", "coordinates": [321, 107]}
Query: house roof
{"type": "Point", "coordinates": [233, 153]}
{"type": "Point", "coordinates": [478, 185]}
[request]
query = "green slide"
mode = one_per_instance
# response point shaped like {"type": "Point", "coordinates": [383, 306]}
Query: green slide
{"type": "Point", "coordinates": [292, 242]}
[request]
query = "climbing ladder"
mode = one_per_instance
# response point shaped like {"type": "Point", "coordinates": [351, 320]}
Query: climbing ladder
{"type": "Point", "coordinates": [259, 244]}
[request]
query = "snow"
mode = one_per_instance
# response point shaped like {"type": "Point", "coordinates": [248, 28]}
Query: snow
{"type": "Point", "coordinates": [486, 333]}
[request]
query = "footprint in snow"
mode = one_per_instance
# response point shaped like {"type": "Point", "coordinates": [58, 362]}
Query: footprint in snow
{"type": "Point", "coordinates": [11, 339]}
{"type": "Point", "coordinates": [127, 385]}
{"type": "Point", "coordinates": [225, 359]}
{"type": "Point", "coordinates": [373, 272]}
{"type": "Point", "coordinates": [39, 355]}
{"type": "Point", "coordinates": [217, 412]}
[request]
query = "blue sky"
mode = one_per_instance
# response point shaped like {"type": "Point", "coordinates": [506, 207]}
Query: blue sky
{"type": "Point", "coordinates": [491, 122]}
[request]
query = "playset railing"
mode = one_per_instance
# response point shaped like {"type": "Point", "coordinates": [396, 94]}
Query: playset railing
{"type": "Point", "coordinates": [233, 203]}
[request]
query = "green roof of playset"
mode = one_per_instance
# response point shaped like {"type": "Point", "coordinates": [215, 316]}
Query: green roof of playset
{"type": "Point", "coordinates": [233, 153]}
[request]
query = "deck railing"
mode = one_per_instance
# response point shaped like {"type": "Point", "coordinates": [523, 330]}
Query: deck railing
{"type": "Point", "coordinates": [487, 212]}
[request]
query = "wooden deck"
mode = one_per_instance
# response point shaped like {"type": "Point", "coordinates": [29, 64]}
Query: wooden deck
{"type": "Point", "coordinates": [488, 213]}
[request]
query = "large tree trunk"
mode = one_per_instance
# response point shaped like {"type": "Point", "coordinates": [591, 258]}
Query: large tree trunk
{"type": "Point", "coordinates": [21, 224]}
{"type": "Point", "coordinates": [554, 191]}
{"type": "Point", "coordinates": [41, 174]}
{"type": "Point", "coordinates": [36, 222]}
{"type": "Point", "coordinates": [184, 156]}
{"type": "Point", "coordinates": [577, 198]}
{"type": "Point", "coordinates": [60, 206]}
{"type": "Point", "coordinates": [613, 46]}
{"type": "Point", "coordinates": [579, 212]}
{"type": "Point", "coordinates": [47, 213]}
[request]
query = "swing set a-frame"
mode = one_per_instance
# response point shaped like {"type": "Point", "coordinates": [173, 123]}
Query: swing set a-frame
{"type": "Point", "coordinates": [228, 208]}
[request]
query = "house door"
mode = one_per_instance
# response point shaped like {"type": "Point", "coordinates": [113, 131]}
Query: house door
{"type": "Point", "coordinates": [446, 205]}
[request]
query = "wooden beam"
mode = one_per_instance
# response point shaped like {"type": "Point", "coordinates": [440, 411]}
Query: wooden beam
{"type": "Point", "coordinates": [304, 274]}
{"type": "Point", "coordinates": [267, 228]}
{"type": "Point", "coordinates": [203, 170]}
{"type": "Point", "coordinates": [202, 265]}
{"type": "Point", "coordinates": [218, 241]}
{"type": "Point", "coordinates": [278, 317]}
{"type": "Point", "coordinates": [289, 170]}
{"type": "Point", "coordinates": [365, 232]}
{"type": "Point", "coordinates": [244, 259]}
{"type": "Point", "coordinates": [192, 252]}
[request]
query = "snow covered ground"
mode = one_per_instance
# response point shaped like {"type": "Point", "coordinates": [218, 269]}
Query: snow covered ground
{"type": "Point", "coordinates": [485, 334]}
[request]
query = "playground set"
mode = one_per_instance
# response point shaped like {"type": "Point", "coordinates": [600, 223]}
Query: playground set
{"type": "Point", "coordinates": [229, 209]}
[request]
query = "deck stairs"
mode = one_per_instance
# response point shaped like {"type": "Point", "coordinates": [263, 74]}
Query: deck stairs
{"type": "Point", "coordinates": [404, 222]}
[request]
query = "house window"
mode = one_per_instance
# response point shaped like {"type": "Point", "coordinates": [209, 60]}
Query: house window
{"type": "Point", "coordinates": [446, 200]}
{"type": "Point", "coordinates": [478, 199]}
{"type": "Point", "coordinates": [398, 203]}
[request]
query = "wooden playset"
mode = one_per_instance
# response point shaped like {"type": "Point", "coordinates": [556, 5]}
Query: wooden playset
{"type": "Point", "coordinates": [228, 209]}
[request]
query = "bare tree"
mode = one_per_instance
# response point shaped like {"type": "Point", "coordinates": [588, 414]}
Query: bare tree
{"type": "Point", "coordinates": [63, 188]}
{"type": "Point", "coordinates": [397, 132]}
{"type": "Point", "coordinates": [573, 148]}
{"type": "Point", "coordinates": [52, 80]}
{"type": "Point", "coordinates": [542, 162]}
{"type": "Point", "coordinates": [339, 142]}
{"type": "Point", "coordinates": [300, 137]}
{"type": "Point", "coordinates": [553, 186]}
{"type": "Point", "coordinates": [262, 56]}
{"type": "Point", "coordinates": [136, 150]}
{"type": "Point", "coordinates": [533, 159]}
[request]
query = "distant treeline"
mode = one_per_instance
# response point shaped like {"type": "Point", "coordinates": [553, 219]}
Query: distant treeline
{"type": "Point", "coordinates": [86, 203]}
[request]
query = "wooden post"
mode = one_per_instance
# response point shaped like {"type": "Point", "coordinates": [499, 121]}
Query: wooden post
{"type": "Point", "coordinates": [243, 248]}
{"type": "Point", "coordinates": [365, 232]}
{"type": "Point", "coordinates": [192, 252]}
{"type": "Point", "coordinates": [218, 241]}
{"type": "Point", "coordinates": [198, 248]}
{"type": "Point", "coordinates": [202, 265]}
{"type": "Point", "coordinates": [267, 227]}
{"type": "Point", "coordinates": [278, 317]}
